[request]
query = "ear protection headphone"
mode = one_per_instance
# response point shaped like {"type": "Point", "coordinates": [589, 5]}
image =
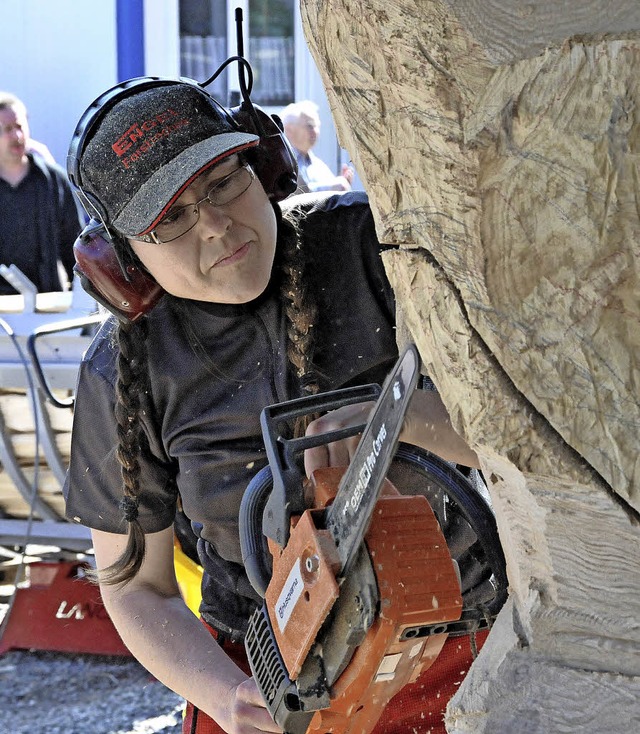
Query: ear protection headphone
{"type": "Point", "coordinates": [104, 263]}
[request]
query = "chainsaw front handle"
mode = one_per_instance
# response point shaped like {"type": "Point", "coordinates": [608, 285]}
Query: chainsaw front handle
{"type": "Point", "coordinates": [283, 454]}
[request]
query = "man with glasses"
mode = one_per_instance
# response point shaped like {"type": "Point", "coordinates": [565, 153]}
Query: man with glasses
{"type": "Point", "coordinates": [39, 219]}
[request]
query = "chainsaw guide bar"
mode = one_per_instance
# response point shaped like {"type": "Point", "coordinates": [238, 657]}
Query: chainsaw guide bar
{"type": "Point", "coordinates": [348, 517]}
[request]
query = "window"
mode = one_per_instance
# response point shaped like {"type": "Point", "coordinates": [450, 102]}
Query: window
{"type": "Point", "coordinates": [268, 46]}
{"type": "Point", "coordinates": [271, 51]}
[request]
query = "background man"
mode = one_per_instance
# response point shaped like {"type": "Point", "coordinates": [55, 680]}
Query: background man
{"type": "Point", "coordinates": [302, 128]}
{"type": "Point", "coordinates": [39, 219]}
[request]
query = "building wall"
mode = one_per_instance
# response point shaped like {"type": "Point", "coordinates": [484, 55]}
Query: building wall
{"type": "Point", "coordinates": [57, 57]}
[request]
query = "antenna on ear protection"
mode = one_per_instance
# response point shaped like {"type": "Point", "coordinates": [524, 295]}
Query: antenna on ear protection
{"type": "Point", "coordinates": [274, 160]}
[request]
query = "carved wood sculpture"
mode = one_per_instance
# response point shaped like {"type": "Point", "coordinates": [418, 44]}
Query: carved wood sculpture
{"type": "Point", "coordinates": [499, 143]}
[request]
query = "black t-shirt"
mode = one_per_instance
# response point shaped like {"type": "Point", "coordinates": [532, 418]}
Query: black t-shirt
{"type": "Point", "coordinates": [213, 368]}
{"type": "Point", "coordinates": [39, 221]}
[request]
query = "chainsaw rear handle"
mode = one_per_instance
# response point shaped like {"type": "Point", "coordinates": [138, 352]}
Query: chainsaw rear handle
{"type": "Point", "coordinates": [283, 454]}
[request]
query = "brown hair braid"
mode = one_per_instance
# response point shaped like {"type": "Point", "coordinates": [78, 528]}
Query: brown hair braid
{"type": "Point", "coordinates": [300, 309]}
{"type": "Point", "coordinates": [133, 382]}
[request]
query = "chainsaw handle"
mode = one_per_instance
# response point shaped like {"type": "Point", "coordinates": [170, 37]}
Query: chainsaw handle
{"type": "Point", "coordinates": [286, 498]}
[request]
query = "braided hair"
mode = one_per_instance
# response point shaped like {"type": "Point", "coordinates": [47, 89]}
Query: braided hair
{"type": "Point", "coordinates": [133, 381]}
{"type": "Point", "coordinates": [300, 309]}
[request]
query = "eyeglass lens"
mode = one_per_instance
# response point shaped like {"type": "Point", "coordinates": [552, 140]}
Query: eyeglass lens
{"type": "Point", "coordinates": [181, 219]}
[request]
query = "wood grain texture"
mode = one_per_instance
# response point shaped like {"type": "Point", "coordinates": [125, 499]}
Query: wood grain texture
{"type": "Point", "coordinates": [512, 690]}
{"type": "Point", "coordinates": [522, 183]}
{"type": "Point", "coordinates": [510, 30]}
{"type": "Point", "coordinates": [499, 145]}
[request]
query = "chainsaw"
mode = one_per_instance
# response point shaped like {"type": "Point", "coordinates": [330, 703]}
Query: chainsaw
{"type": "Point", "coordinates": [364, 570]}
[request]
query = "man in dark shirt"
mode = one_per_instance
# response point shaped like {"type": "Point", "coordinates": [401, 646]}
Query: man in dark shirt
{"type": "Point", "coordinates": [39, 219]}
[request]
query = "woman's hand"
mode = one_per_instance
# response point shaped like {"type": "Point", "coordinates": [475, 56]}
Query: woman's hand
{"type": "Point", "coordinates": [170, 641]}
{"type": "Point", "coordinates": [246, 712]}
{"type": "Point", "coordinates": [338, 453]}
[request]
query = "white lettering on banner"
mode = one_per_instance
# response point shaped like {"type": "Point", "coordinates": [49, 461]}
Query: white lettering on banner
{"type": "Point", "coordinates": [289, 596]}
{"type": "Point", "coordinates": [81, 610]}
{"type": "Point", "coordinates": [65, 612]}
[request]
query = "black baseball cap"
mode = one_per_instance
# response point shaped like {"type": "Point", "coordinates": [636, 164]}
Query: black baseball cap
{"type": "Point", "coordinates": [149, 146]}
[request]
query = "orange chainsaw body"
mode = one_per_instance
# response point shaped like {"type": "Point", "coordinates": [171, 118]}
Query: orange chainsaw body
{"type": "Point", "coordinates": [417, 585]}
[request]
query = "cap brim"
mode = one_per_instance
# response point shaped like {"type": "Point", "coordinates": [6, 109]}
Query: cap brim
{"type": "Point", "coordinates": [145, 208]}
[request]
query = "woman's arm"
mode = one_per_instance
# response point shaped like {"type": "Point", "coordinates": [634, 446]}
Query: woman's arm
{"type": "Point", "coordinates": [169, 640]}
{"type": "Point", "coordinates": [427, 424]}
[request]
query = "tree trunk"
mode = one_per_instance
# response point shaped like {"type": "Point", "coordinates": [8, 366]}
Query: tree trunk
{"type": "Point", "coordinates": [499, 144]}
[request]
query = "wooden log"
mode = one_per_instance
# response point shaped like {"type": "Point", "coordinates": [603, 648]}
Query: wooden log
{"type": "Point", "coordinates": [499, 145]}
{"type": "Point", "coordinates": [19, 431]}
{"type": "Point", "coordinates": [17, 410]}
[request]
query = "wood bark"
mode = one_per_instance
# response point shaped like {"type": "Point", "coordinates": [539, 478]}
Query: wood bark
{"type": "Point", "coordinates": [499, 144]}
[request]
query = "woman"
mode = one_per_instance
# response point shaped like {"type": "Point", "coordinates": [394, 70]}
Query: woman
{"type": "Point", "coordinates": [263, 302]}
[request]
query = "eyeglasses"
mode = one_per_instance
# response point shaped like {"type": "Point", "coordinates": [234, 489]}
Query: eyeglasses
{"type": "Point", "coordinates": [183, 218]}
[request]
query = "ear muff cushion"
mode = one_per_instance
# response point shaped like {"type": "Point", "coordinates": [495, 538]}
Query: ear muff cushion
{"type": "Point", "coordinates": [101, 273]}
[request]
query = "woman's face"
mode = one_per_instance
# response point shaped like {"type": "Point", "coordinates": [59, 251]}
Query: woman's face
{"type": "Point", "coordinates": [228, 255]}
